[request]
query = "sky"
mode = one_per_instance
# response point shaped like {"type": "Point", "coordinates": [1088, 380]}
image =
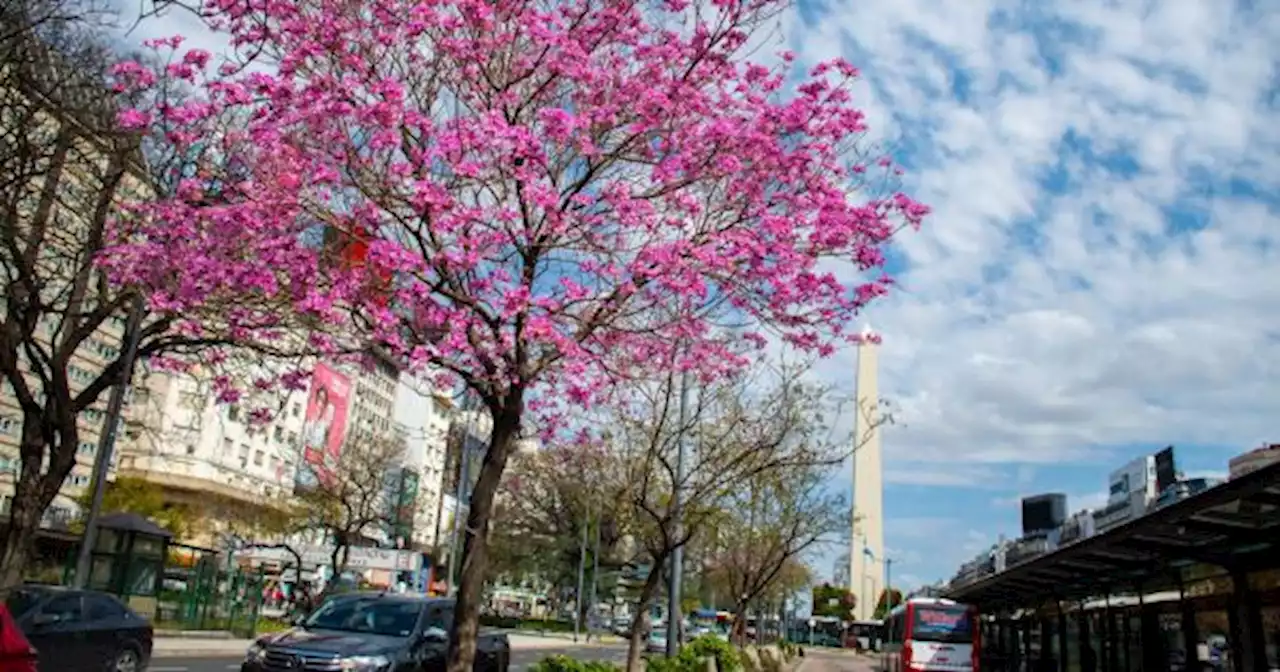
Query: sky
{"type": "Point", "coordinates": [1092, 284]}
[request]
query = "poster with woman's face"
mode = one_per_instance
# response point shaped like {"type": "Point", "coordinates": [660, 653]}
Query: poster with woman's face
{"type": "Point", "coordinates": [325, 422]}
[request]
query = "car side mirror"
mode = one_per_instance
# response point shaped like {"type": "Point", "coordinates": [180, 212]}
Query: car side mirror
{"type": "Point", "coordinates": [435, 636]}
{"type": "Point", "coordinates": [45, 619]}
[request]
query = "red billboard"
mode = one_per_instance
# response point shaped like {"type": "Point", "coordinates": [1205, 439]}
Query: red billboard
{"type": "Point", "coordinates": [324, 426]}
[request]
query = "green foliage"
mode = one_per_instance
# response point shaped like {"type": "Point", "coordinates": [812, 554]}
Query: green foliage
{"type": "Point", "coordinates": [834, 601]}
{"type": "Point", "coordinates": [748, 662]}
{"type": "Point", "coordinates": [664, 664]}
{"type": "Point", "coordinates": [129, 494]}
{"type": "Point", "coordinates": [561, 663]}
{"type": "Point", "coordinates": [883, 604]}
{"type": "Point", "coordinates": [693, 655]}
{"type": "Point", "coordinates": [710, 646]}
{"type": "Point", "coordinates": [788, 649]}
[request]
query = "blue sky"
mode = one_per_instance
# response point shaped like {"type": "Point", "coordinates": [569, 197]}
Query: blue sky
{"type": "Point", "coordinates": [1097, 280]}
{"type": "Point", "coordinates": [1094, 282]}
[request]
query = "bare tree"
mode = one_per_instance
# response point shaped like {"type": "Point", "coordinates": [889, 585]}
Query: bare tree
{"type": "Point", "coordinates": [352, 499]}
{"type": "Point", "coordinates": [769, 524]}
{"type": "Point", "coordinates": [737, 431]}
{"type": "Point", "coordinates": [546, 501]}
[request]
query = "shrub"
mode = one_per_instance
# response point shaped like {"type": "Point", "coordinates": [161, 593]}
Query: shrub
{"type": "Point", "coordinates": [561, 663]}
{"type": "Point", "coordinates": [710, 646]}
{"type": "Point", "coordinates": [748, 662]}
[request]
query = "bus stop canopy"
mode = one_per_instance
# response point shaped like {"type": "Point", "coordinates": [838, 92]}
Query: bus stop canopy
{"type": "Point", "coordinates": [1235, 525]}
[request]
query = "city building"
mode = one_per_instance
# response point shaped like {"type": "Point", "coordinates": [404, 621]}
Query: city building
{"type": "Point", "coordinates": [209, 456]}
{"type": "Point", "coordinates": [424, 416]}
{"type": "Point", "coordinates": [1133, 489]}
{"type": "Point", "coordinates": [866, 552]}
{"type": "Point", "coordinates": [54, 108]}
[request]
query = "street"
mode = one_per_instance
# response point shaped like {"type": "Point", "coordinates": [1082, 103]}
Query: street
{"type": "Point", "coordinates": [818, 659]}
{"type": "Point", "coordinates": [521, 659]}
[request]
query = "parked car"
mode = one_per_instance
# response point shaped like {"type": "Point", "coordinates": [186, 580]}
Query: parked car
{"type": "Point", "coordinates": [16, 653]}
{"type": "Point", "coordinates": [373, 632]}
{"type": "Point", "coordinates": [657, 642]}
{"type": "Point", "coordinates": [80, 629]}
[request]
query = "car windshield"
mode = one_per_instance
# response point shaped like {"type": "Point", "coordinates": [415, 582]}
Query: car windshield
{"type": "Point", "coordinates": [373, 615]}
{"type": "Point", "coordinates": [21, 600]}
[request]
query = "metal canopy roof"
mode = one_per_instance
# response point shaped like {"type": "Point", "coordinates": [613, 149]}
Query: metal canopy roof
{"type": "Point", "coordinates": [1232, 525]}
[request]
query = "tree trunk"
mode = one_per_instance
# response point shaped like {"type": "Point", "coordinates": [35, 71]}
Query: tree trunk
{"type": "Point", "coordinates": [33, 492]}
{"type": "Point", "coordinates": [19, 541]}
{"type": "Point", "coordinates": [638, 629]}
{"type": "Point", "coordinates": [739, 635]}
{"type": "Point", "coordinates": [475, 546]}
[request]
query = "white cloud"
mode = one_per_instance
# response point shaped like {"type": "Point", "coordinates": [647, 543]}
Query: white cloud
{"type": "Point", "coordinates": [1132, 301]}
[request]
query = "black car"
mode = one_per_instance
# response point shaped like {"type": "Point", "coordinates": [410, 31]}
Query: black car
{"type": "Point", "coordinates": [372, 632]}
{"type": "Point", "coordinates": [80, 629]}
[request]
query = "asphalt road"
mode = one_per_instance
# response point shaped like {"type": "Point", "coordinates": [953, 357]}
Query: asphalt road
{"type": "Point", "coordinates": [520, 659]}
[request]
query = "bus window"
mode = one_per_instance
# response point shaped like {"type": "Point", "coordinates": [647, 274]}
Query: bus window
{"type": "Point", "coordinates": [939, 623]}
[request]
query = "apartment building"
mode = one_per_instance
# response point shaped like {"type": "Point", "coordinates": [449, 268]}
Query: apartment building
{"type": "Point", "coordinates": [424, 413]}
{"type": "Point", "coordinates": [50, 110]}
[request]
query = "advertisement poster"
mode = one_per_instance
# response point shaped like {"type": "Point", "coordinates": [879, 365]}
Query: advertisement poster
{"type": "Point", "coordinates": [324, 426]}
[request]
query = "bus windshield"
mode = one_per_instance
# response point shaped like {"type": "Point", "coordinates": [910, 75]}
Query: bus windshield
{"type": "Point", "coordinates": [948, 624]}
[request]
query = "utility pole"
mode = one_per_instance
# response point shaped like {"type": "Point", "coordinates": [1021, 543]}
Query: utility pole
{"type": "Point", "coordinates": [677, 557]}
{"type": "Point", "coordinates": [107, 441]}
{"type": "Point", "coordinates": [460, 493]}
{"type": "Point", "coordinates": [595, 567]}
{"type": "Point", "coordinates": [582, 570]}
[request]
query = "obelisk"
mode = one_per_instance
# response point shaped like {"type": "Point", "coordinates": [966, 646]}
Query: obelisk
{"type": "Point", "coordinates": [866, 543]}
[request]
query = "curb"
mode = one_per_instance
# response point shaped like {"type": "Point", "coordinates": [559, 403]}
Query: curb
{"type": "Point", "coordinates": [193, 634]}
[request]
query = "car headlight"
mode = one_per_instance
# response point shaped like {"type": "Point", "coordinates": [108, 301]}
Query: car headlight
{"type": "Point", "coordinates": [363, 663]}
{"type": "Point", "coordinates": [256, 653]}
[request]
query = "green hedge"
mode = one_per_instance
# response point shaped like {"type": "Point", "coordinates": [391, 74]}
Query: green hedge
{"type": "Point", "coordinates": [567, 664]}
{"type": "Point", "coordinates": [693, 654]}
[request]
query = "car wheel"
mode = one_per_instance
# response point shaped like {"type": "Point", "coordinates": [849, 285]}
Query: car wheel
{"type": "Point", "coordinates": [126, 661]}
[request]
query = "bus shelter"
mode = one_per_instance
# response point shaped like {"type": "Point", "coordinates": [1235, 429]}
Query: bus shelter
{"type": "Point", "coordinates": [1192, 586]}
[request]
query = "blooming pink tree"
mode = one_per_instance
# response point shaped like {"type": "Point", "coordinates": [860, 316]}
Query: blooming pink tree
{"type": "Point", "coordinates": [536, 199]}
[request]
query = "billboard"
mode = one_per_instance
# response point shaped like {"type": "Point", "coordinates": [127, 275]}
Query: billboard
{"type": "Point", "coordinates": [324, 426]}
{"type": "Point", "coordinates": [405, 504]}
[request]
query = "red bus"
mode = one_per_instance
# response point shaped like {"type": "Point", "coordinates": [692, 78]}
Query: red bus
{"type": "Point", "coordinates": [928, 634]}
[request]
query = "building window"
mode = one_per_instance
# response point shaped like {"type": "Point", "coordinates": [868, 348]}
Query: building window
{"type": "Point", "coordinates": [233, 413]}
{"type": "Point", "coordinates": [227, 446]}
{"type": "Point", "coordinates": [297, 409]}
{"type": "Point", "coordinates": [86, 448]}
{"type": "Point", "coordinates": [257, 458]}
{"type": "Point", "coordinates": [191, 449]}
{"type": "Point", "coordinates": [244, 452]}
{"type": "Point", "coordinates": [7, 425]}
{"type": "Point", "coordinates": [279, 433]}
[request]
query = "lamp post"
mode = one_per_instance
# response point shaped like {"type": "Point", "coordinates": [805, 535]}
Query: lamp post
{"type": "Point", "coordinates": [106, 443]}
{"type": "Point", "coordinates": [677, 557]}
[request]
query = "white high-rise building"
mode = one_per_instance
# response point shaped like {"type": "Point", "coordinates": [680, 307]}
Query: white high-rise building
{"type": "Point", "coordinates": [866, 552]}
{"type": "Point", "coordinates": [424, 414]}
{"type": "Point", "coordinates": [209, 456]}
